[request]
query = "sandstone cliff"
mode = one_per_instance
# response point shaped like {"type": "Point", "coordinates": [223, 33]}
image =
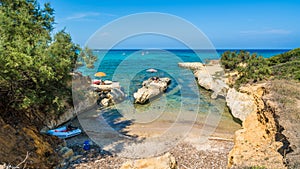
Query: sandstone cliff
{"type": "Point", "coordinates": [256, 144]}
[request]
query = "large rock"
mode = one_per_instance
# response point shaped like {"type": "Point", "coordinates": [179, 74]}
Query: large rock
{"type": "Point", "coordinates": [166, 161]}
{"type": "Point", "coordinates": [110, 97]}
{"type": "Point", "coordinates": [211, 77]}
{"type": "Point", "coordinates": [151, 88]}
{"type": "Point", "coordinates": [240, 104]}
{"type": "Point", "coordinates": [208, 79]}
{"type": "Point", "coordinates": [116, 95]}
{"type": "Point", "coordinates": [88, 102]}
{"type": "Point", "coordinates": [66, 152]}
{"type": "Point", "coordinates": [83, 100]}
{"type": "Point", "coordinates": [247, 100]}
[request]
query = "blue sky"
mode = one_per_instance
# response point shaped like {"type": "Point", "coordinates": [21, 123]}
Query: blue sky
{"type": "Point", "coordinates": [227, 23]}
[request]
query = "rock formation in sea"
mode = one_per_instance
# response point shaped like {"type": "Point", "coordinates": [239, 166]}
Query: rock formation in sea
{"type": "Point", "coordinates": [151, 88]}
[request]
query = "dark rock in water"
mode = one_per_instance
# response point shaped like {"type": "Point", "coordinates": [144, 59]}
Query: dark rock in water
{"type": "Point", "coordinates": [151, 88]}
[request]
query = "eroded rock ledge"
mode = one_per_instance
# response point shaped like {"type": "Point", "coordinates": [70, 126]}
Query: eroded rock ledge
{"type": "Point", "coordinates": [210, 76]}
{"type": "Point", "coordinates": [255, 144]}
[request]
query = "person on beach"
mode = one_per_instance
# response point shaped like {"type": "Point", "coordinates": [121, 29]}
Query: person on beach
{"type": "Point", "coordinates": [155, 79]}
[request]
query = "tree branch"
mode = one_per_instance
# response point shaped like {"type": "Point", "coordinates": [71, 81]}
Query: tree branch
{"type": "Point", "coordinates": [27, 155]}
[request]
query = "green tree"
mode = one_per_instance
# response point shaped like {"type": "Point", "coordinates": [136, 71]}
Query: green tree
{"type": "Point", "coordinates": [251, 68]}
{"type": "Point", "coordinates": [87, 57]}
{"type": "Point", "coordinates": [255, 69]}
{"type": "Point", "coordinates": [34, 73]}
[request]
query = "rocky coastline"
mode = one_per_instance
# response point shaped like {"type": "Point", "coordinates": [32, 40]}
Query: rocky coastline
{"type": "Point", "coordinates": [262, 141]}
{"type": "Point", "coordinates": [265, 140]}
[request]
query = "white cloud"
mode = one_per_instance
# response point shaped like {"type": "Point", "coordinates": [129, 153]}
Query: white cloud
{"type": "Point", "coordinates": [82, 15]}
{"type": "Point", "coordinates": [267, 32]}
{"type": "Point", "coordinates": [86, 15]}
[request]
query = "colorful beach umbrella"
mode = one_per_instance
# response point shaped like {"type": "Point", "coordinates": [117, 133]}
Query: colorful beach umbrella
{"type": "Point", "coordinates": [100, 74]}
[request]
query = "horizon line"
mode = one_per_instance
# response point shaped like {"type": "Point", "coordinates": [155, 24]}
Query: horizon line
{"type": "Point", "coordinates": [201, 49]}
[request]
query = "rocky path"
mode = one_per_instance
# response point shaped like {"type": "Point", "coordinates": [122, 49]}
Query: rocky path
{"type": "Point", "coordinates": [186, 156]}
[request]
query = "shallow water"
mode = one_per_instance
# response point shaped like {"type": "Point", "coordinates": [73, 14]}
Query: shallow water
{"type": "Point", "coordinates": [184, 108]}
{"type": "Point", "coordinates": [183, 101]}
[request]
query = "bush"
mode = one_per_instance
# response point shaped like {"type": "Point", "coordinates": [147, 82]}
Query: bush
{"type": "Point", "coordinates": [253, 68]}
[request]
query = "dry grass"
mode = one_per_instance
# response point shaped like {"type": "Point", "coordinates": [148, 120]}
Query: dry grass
{"type": "Point", "coordinates": [287, 95]}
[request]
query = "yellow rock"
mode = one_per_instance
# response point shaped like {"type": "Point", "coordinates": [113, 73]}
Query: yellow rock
{"type": "Point", "coordinates": [255, 144]}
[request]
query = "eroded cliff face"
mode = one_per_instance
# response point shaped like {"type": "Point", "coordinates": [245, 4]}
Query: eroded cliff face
{"type": "Point", "coordinates": [21, 139]}
{"type": "Point", "coordinates": [256, 144]}
{"type": "Point", "coordinates": [17, 142]}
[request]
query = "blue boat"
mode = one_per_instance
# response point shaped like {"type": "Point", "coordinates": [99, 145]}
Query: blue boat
{"type": "Point", "coordinates": [64, 132]}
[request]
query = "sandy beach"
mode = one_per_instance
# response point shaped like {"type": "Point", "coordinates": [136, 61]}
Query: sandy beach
{"type": "Point", "coordinates": [189, 149]}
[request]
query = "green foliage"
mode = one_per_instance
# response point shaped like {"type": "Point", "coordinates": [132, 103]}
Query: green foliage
{"type": "Point", "coordinates": [232, 60]}
{"type": "Point", "coordinates": [35, 67]}
{"type": "Point", "coordinates": [286, 65]}
{"type": "Point", "coordinates": [289, 56]}
{"type": "Point", "coordinates": [87, 57]}
{"type": "Point", "coordinates": [253, 68]}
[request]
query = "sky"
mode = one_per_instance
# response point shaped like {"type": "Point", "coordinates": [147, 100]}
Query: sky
{"type": "Point", "coordinates": [228, 24]}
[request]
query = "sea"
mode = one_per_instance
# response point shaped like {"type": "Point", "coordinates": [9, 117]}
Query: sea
{"type": "Point", "coordinates": [183, 105]}
{"type": "Point", "coordinates": [109, 61]}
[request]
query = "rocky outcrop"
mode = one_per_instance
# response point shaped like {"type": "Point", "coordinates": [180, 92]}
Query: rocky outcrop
{"type": "Point", "coordinates": [255, 144]}
{"type": "Point", "coordinates": [110, 97]}
{"type": "Point", "coordinates": [240, 104]}
{"type": "Point", "coordinates": [151, 88]}
{"type": "Point", "coordinates": [166, 161]}
{"type": "Point", "coordinates": [191, 65]}
{"type": "Point", "coordinates": [207, 81]}
{"type": "Point", "coordinates": [245, 101]}
{"type": "Point", "coordinates": [210, 77]}
{"type": "Point", "coordinates": [83, 100]}
{"type": "Point", "coordinates": [85, 97]}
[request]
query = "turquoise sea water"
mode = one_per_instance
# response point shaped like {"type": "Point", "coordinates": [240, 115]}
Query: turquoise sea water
{"type": "Point", "coordinates": [129, 68]}
{"type": "Point", "coordinates": [109, 60]}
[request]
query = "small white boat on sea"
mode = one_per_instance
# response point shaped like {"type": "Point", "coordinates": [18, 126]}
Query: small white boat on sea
{"type": "Point", "coordinates": [64, 132]}
{"type": "Point", "coordinates": [151, 70]}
